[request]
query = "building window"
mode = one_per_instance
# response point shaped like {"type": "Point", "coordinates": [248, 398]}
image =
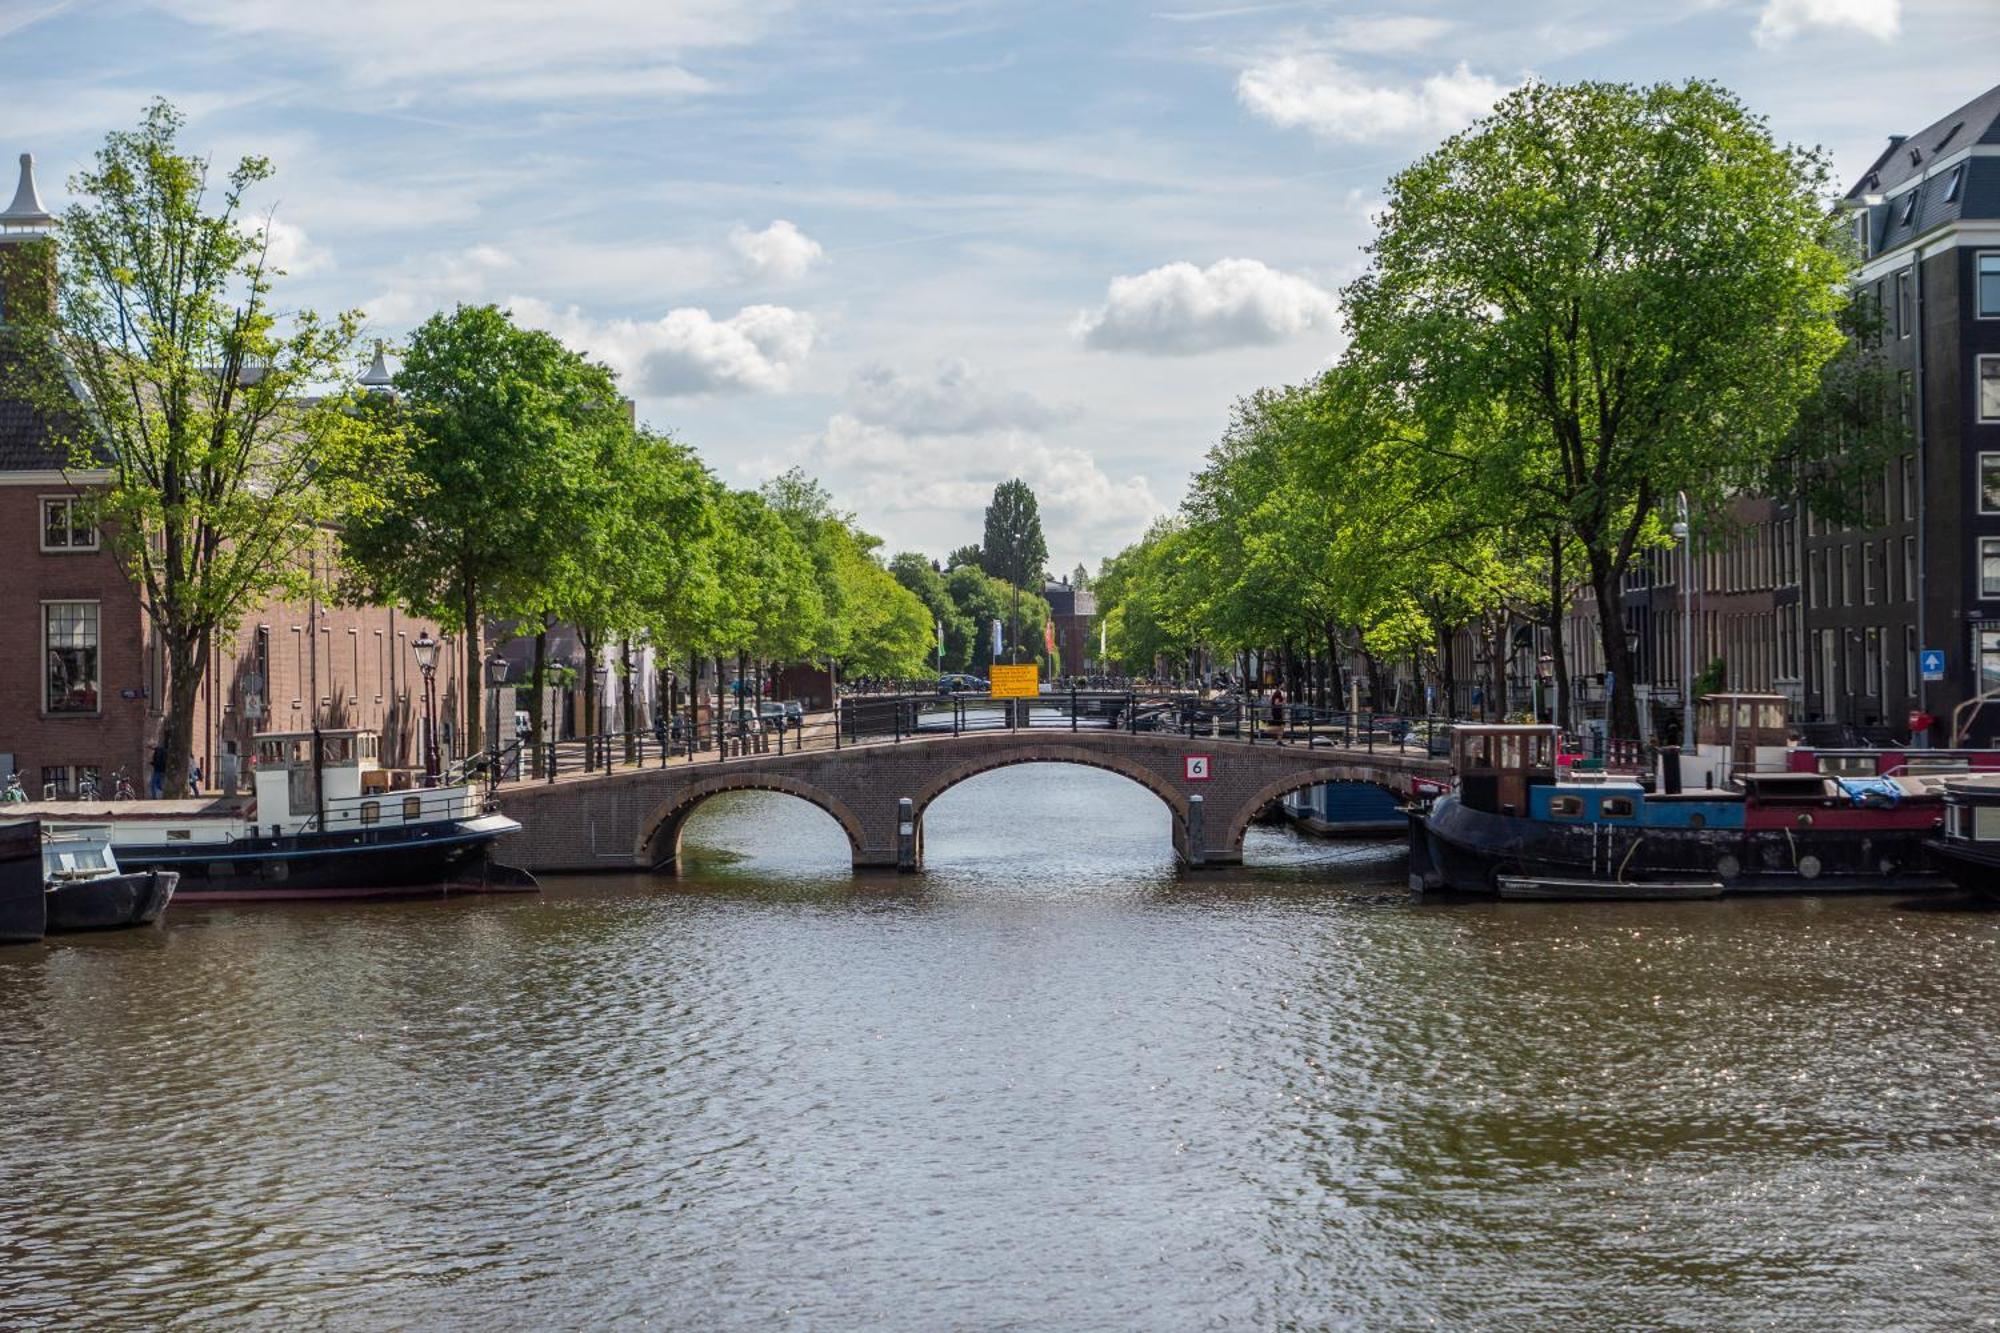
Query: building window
{"type": "Point", "coordinates": [1988, 284]}
{"type": "Point", "coordinates": [64, 527]}
{"type": "Point", "coordinates": [1911, 676]}
{"type": "Point", "coordinates": [1986, 635]}
{"type": "Point", "coordinates": [1868, 574]}
{"type": "Point", "coordinates": [66, 782]}
{"type": "Point", "coordinates": [1989, 566]}
{"type": "Point", "coordinates": [1910, 207]}
{"type": "Point", "coordinates": [1872, 662]}
{"type": "Point", "coordinates": [1956, 179]}
{"type": "Point", "coordinates": [1905, 322]}
{"type": "Point", "coordinates": [1847, 576]}
{"type": "Point", "coordinates": [1909, 569]}
{"type": "Point", "coordinates": [1989, 388]}
{"type": "Point", "coordinates": [1909, 486]}
{"type": "Point", "coordinates": [1989, 483]}
{"type": "Point", "coordinates": [69, 647]}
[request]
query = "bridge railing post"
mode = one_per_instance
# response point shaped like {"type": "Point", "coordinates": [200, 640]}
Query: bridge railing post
{"type": "Point", "coordinates": [1371, 732]}
{"type": "Point", "coordinates": [1072, 707]}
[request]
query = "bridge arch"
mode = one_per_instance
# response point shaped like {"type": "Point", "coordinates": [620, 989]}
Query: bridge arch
{"type": "Point", "coordinates": [659, 844]}
{"type": "Point", "coordinates": [1279, 788]}
{"type": "Point", "coordinates": [1109, 760]}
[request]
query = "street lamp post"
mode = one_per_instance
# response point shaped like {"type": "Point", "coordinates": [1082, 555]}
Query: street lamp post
{"type": "Point", "coordinates": [426, 649]}
{"type": "Point", "coordinates": [1682, 531]}
{"type": "Point", "coordinates": [496, 676]}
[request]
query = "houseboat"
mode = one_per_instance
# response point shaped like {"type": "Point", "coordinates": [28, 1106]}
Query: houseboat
{"type": "Point", "coordinates": [325, 820]}
{"type": "Point", "coordinates": [1967, 850]}
{"type": "Point", "coordinates": [1521, 824]}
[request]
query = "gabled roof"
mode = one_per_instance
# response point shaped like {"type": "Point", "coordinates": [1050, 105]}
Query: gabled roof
{"type": "Point", "coordinates": [1978, 121]}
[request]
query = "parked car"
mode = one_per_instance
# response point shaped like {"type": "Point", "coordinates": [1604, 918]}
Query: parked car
{"type": "Point", "coordinates": [795, 713]}
{"type": "Point", "coordinates": [772, 714]}
{"type": "Point", "coordinates": [958, 682]}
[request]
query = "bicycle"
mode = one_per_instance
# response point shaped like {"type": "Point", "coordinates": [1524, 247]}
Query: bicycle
{"type": "Point", "coordinates": [86, 787]}
{"type": "Point", "coordinates": [121, 786]}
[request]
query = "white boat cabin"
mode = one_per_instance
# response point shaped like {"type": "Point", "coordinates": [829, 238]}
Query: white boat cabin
{"type": "Point", "coordinates": [344, 787]}
{"type": "Point", "coordinates": [77, 851]}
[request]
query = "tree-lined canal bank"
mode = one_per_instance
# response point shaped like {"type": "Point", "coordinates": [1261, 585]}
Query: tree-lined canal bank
{"type": "Point", "coordinates": [1066, 1090]}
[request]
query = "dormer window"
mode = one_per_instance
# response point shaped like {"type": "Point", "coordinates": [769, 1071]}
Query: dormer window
{"type": "Point", "coordinates": [1949, 135]}
{"type": "Point", "coordinates": [1909, 208]}
{"type": "Point", "coordinates": [1951, 185]}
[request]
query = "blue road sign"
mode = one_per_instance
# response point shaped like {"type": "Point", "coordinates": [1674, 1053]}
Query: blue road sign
{"type": "Point", "coordinates": [1932, 662]}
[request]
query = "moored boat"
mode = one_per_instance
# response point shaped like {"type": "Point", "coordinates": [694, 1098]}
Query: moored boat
{"type": "Point", "coordinates": [23, 897]}
{"type": "Point", "coordinates": [326, 821]}
{"type": "Point", "coordinates": [1967, 849]}
{"type": "Point", "coordinates": [86, 888]}
{"type": "Point", "coordinates": [1755, 825]}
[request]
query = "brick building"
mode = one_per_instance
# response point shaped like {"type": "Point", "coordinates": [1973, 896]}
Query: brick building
{"type": "Point", "coordinates": [81, 670]}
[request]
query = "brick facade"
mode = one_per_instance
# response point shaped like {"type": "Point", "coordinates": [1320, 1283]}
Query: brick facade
{"type": "Point", "coordinates": [359, 671]}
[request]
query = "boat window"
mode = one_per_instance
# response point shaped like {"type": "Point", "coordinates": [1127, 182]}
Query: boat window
{"type": "Point", "coordinates": [1566, 805]}
{"type": "Point", "coordinates": [413, 807]}
{"type": "Point", "coordinates": [1510, 752]}
{"type": "Point", "coordinates": [179, 835]}
{"type": "Point", "coordinates": [1616, 807]}
{"type": "Point", "coordinates": [336, 749]}
{"type": "Point", "coordinates": [1986, 823]}
{"type": "Point", "coordinates": [371, 811]}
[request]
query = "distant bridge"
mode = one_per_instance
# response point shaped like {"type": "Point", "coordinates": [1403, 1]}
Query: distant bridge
{"type": "Point", "coordinates": [878, 786]}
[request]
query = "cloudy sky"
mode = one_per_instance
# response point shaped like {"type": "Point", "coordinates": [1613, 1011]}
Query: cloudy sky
{"type": "Point", "coordinates": [917, 246]}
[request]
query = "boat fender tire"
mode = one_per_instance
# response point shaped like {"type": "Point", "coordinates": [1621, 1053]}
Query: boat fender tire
{"type": "Point", "coordinates": [1809, 867]}
{"type": "Point", "coordinates": [1727, 866]}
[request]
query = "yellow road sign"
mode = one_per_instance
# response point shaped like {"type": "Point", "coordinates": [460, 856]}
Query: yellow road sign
{"type": "Point", "coordinates": [1016, 682]}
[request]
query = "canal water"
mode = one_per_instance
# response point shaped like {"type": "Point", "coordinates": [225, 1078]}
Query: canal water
{"type": "Point", "coordinates": [1046, 1085]}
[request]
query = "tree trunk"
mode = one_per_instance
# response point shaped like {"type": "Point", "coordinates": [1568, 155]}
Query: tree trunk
{"type": "Point", "coordinates": [1622, 721]}
{"type": "Point", "coordinates": [185, 661]}
{"type": "Point", "coordinates": [1447, 671]}
{"type": "Point", "coordinates": [539, 690]}
{"type": "Point", "coordinates": [626, 715]}
{"type": "Point", "coordinates": [474, 739]}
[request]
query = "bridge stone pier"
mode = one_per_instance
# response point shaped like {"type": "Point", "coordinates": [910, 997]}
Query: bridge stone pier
{"type": "Point", "coordinates": [632, 818]}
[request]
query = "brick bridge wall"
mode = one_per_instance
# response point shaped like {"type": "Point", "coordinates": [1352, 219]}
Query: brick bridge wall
{"type": "Point", "coordinates": [632, 818]}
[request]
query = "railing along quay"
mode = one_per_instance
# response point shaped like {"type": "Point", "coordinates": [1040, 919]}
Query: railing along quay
{"type": "Point", "coordinates": [862, 719]}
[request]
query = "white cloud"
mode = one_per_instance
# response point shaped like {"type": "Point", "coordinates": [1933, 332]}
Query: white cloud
{"type": "Point", "coordinates": [686, 351]}
{"type": "Point", "coordinates": [1385, 34]}
{"type": "Point", "coordinates": [952, 399]}
{"type": "Point", "coordinates": [289, 249]}
{"type": "Point", "coordinates": [1782, 20]}
{"type": "Point", "coordinates": [496, 48]}
{"type": "Point", "coordinates": [781, 251]}
{"type": "Point", "coordinates": [1081, 505]}
{"type": "Point", "coordinates": [1318, 93]}
{"type": "Point", "coordinates": [1179, 310]}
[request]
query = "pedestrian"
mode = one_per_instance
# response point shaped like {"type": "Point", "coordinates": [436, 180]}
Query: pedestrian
{"type": "Point", "coordinates": [194, 777]}
{"type": "Point", "coordinates": [159, 781]}
{"type": "Point", "coordinates": [1278, 708]}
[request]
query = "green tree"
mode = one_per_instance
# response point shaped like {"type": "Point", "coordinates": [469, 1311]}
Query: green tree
{"type": "Point", "coordinates": [225, 425]}
{"type": "Point", "coordinates": [963, 556]}
{"type": "Point", "coordinates": [505, 485]}
{"type": "Point", "coordinates": [915, 571]}
{"type": "Point", "coordinates": [1602, 295]}
{"type": "Point", "coordinates": [1013, 549]}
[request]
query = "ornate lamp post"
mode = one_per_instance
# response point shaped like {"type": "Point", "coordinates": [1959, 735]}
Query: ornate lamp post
{"type": "Point", "coordinates": [496, 676]}
{"type": "Point", "coordinates": [426, 649]}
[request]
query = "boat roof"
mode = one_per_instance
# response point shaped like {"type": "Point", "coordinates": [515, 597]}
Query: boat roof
{"type": "Point", "coordinates": [85, 812]}
{"type": "Point", "coordinates": [324, 733]}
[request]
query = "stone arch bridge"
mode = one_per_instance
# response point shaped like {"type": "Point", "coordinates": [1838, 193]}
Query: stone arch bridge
{"type": "Point", "coordinates": [632, 818]}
